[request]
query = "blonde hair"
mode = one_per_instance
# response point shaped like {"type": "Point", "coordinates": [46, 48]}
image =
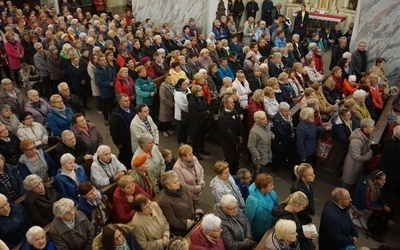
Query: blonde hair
{"type": "Point", "coordinates": [284, 228]}
{"type": "Point", "coordinates": [257, 96]}
{"type": "Point", "coordinates": [184, 150]}
{"type": "Point", "coordinates": [297, 198]}
{"type": "Point", "coordinates": [283, 76]}
{"type": "Point", "coordinates": [220, 166]}
{"type": "Point", "coordinates": [272, 81]}
{"type": "Point", "coordinates": [300, 170]}
{"type": "Point", "coordinates": [125, 180]}
{"type": "Point", "coordinates": [123, 69]}
{"type": "Point", "coordinates": [308, 92]}
{"type": "Point", "coordinates": [268, 90]}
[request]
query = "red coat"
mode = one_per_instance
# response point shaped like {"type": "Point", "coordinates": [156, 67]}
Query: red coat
{"type": "Point", "coordinates": [206, 92]}
{"type": "Point", "coordinates": [151, 72]}
{"type": "Point", "coordinates": [376, 97]}
{"type": "Point", "coordinates": [123, 211]}
{"type": "Point", "coordinates": [199, 241]}
{"type": "Point", "coordinates": [319, 62]}
{"type": "Point", "coordinates": [121, 86]}
{"type": "Point", "coordinates": [348, 88]}
{"type": "Point", "coordinates": [121, 60]}
{"type": "Point", "coordinates": [252, 109]}
{"type": "Point", "coordinates": [128, 19]}
{"type": "Point", "coordinates": [338, 82]}
{"type": "Point", "coordinates": [14, 51]}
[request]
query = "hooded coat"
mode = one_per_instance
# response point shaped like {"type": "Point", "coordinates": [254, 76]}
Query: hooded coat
{"type": "Point", "coordinates": [199, 241]}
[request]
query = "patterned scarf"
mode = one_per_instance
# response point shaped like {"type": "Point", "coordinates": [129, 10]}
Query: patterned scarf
{"type": "Point", "coordinates": [284, 246]}
{"type": "Point", "coordinates": [148, 126]}
{"type": "Point", "coordinates": [176, 193]}
{"type": "Point", "coordinates": [148, 184]}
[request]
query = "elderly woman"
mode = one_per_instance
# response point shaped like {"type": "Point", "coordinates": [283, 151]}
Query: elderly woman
{"type": "Point", "coordinates": [352, 106]}
{"type": "Point", "coordinates": [181, 113]}
{"type": "Point", "coordinates": [305, 176]}
{"type": "Point", "coordinates": [36, 238]}
{"type": "Point", "coordinates": [314, 104]}
{"type": "Point", "coordinates": [270, 102]}
{"type": "Point", "coordinates": [275, 65]}
{"type": "Point", "coordinates": [60, 116]}
{"type": "Point", "coordinates": [223, 184]}
{"type": "Point", "coordinates": [35, 161]}
{"type": "Point", "coordinates": [379, 70]}
{"type": "Point", "coordinates": [248, 31]}
{"type": "Point", "coordinates": [38, 107]}
{"type": "Point", "coordinates": [70, 229]}
{"type": "Point", "coordinates": [236, 228]}
{"type": "Point", "coordinates": [145, 88]}
{"type": "Point", "coordinates": [10, 181]}
{"type": "Point", "coordinates": [331, 93]}
{"type": "Point", "coordinates": [68, 177]}
{"type": "Point", "coordinates": [359, 152]}
{"type": "Point", "coordinates": [308, 94]}
{"type": "Point", "coordinates": [167, 105]}
{"type": "Point", "coordinates": [284, 135]}
{"type": "Point", "coordinates": [12, 96]}
{"type": "Point", "coordinates": [288, 93]}
{"type": "Point", "coordinates": [150, 225]}
{"type": "Point", "coordinates": [178, 205]}
{"type": "Point", "coordinates": [39, 199]}
{"type": "Point", "coordinates": [115, 236]}
{"type": "Point", "coordinates": [207, 235]}
{"type": "Point", "coordinates": [125, 84]}
{"type": "Point", "coordinates": [30, 76]}
{"type": "Point", "coordinates": [307, 130]}
{"type": "Point", "coordinates": [284, 236]}
{"type": "Point", "coordinates": [106, 168]}
{"type": "Point", "coordinates": [177, 73]}
{"type": "Point", "coordinates": [94, 205]}
{"type": "Point", "coordinates": [198, 116]}
{"type": "Point", "coordinates": [361, 109]}
{"type": "Point", "coordinates": [259, 204]}
{"type": "Point", "coordinates": [155, 160]}
{"type": "Point", "coordinates": [14, 222]}
{"type": "Point", "coordinates": [190, 172]}
{"type": "Point", "coordinates": [291, 209]}
{"type": "Point", "coordinates": [312, 72]}
{"type": "Point", "coordinates": [259, 143]}
{"type": "Point", "coordinates": [9, 119]}
{"type": "Point", "coordinates": [256, 103]}
{"type": "Point", "coordinates": [31, 129]}
{"type": "Point", "coordinates": [123, 197]}
{"type": "Point", "coordinates": [140, 173]}
{"type": "Point", "coordinates": [87, 132]}
{"type": "Point", "coordinates": [204, 59]}
{"type": "Point", "coordinates": [325, 108]}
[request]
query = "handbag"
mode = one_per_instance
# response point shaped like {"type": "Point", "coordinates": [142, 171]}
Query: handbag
{"type": "Point", "coordinates": [324, 147]}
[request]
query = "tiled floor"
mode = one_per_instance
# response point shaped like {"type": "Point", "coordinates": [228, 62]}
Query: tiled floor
{"type": "Point", "coordinates": [324, 183]}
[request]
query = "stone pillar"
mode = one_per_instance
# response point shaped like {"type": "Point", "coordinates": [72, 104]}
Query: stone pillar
{"type": "Point", "coordinates": [290, 1]}
{"type": "Point", "coordinates": [306, 1]}
{"type": "Point", "coordinates": [345, 4]}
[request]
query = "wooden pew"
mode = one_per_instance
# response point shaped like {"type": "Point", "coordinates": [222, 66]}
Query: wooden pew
{"type": "Point", "coordinates": [187, 237]}
{"type": "Point", "coordinates": [263, 242]}
{"type": "Point", "coordinates": [381, 124]}
{"type": "Point", "coordinates": [295, 113]}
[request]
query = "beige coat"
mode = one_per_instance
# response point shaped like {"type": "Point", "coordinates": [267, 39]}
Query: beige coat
{"type": "Point", "coordinates": [187, 176]}
{"type": "Point", "coordinates": [167, 104]}
{"type": "Point", "coordinates": [259, 144]}
{"type": "Point", "coordinates": [324, 107]}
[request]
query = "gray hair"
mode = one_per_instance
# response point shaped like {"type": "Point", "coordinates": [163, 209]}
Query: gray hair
{"type": "Point", "coordinates": [284, 228]}
{"type": "Point", "coordinates": [312, 102]}
{"type": "Point", "coordinates": [264, 66]}
{"type": "Point", "coordinates": [284, 106]}
{"type": "Point", "coordinates": [144, 138]}
{"type": "Point", "coordinates": [366, 122]}
{"type": "Point", "coordinates": [101, 149]}
{"type": "Point", "coordinates": [32, 92]}
{"type": "Point", "coordinates": [246, 49]}
{"type": "Point", "coordinates": [305, 113]}
{"type": "Point", "coordinates": [120, 96]}
{"type": "Point", "coordinates": [346, 55]}
{"type": "Point", "coordinates": [30, 234]}
{"type": "Point", "coordinates": [277, 55]}
{"type": "Point", "coordinates": [37, 45]}
{"type": "Point", "coordinates": [210, 222]}
{"type": "Point", "coordinates": [31, 181]}
{"type": "Point", "coordinates": [241, 173]}
{"type": "Point", "coordinates": [62, 206]}
{"type": "Point", "coordinates": [343, 38]}
{"type": "Point", "coordinates": [4, 107]}
{"type": "Point", "coordinates": [167, 177]}
{"type": "Point", "coordinates": [295, 36]}
{"type": "Point", "coordinates": [226, 79]}
{"type": "Point", "coordinates": [258, 115]}
{"type": "Point", "coordinates": [6, 80]}
{"type": "Point", "coordinates": [227, 200]}
{"type": "Point", "coordinates": [359, 93]}
{"type": "Point", "coordinates": [60, 85]}
{"type": "Point", "coordinates": [65, 157]}
{"type": "Point", "coordinates": [66, 133]}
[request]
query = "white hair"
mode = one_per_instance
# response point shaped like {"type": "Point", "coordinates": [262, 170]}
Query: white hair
{"type": "Point", "coordinates": [62, 206]}
{"type": "Point", "coordinates": [65, 157]}
{"type": "Point", "coordinates": [32, 92]}
{"type": "Point", "coordinates": [264, 66]}
{"type": "Point", "coordinates": [346, 55]}
{"type": "Point", "coordinates": [210, 222]}
{"type": "Point", "coordinates": [227, 200]}
{"type": "Point", "coordinates": [305, 113]}
{"type": "Point", "coordinates": [144, 138]}
{"type": "Point", "coordinates": [32, 232]}
{"type": "Point", "coordinates": [284, 228]}
{"type": "Point", "coordinates": [101, 149]}
{"type": "Point", "coordinates": [366, 122]}
{"type": "Point", "coordinates": [359, 94]}
{"type": "Point", "coordinates": [66, 133]}
{"type": "Point", "coordinates": [284, 106]}
{"type": "Point", "coordinates": [31, 181]}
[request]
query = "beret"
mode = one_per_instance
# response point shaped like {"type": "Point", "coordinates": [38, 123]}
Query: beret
{"type": "Point", "coordinates": [139, 160]}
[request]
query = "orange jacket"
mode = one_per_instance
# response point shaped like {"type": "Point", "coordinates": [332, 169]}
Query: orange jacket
{"type": "Point", "coordinates": [376, 97]}
{"type": "Point", "coordinates": [348, 88]}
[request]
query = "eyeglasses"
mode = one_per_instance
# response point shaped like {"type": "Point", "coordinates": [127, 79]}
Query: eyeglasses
{"type": "Point", "coordinates": [232, 208]}
{"type": "Point", "coordinates": [29, 149]}
{"type": "Point", "coordinates": [28, 118]}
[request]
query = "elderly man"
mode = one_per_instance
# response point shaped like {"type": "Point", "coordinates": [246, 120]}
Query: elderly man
{"type": "Point", "coordinates": [121, 119]}
{"type": "Point", "coordinates": [337, 230]}
{"type": "Point", "coordinates": [232, 133]}
{"type": "Point", "coordinates": [338, 51]}
{"type": "Point", "coordinates": [141, 123]}
{"type": "Point", "coordinates": [14, 222]}
{"type": "Point", "coordinates": [75, 146]}
{"type": "Point", "coordinates": [9, 146]}
{"type": "Point", "coordinates": [243, 180]}
{"type": "Point", "coordinates": [106, 168]}
{"type": "Point", "coordinates": [359, 60]}
{"type": "Point", "coordinates": [78, 73]}
{"type": "Point", "coordinates": [70, 100]}
{"type": "Point", "coordinates": [234, 237]}
{"type": "Point", "coordinates": [41, 59]}
{"type": "Point", "coordinates": [36, 238]}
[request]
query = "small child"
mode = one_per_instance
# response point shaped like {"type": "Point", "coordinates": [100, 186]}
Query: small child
{"type": "Point", "coordinates": [169, 159]}
{"type": "Point", "coordinates": [349, 85]}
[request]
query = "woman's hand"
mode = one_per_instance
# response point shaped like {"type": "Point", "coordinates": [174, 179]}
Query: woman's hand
{"type": "Point", "coordinates": [310, 235]}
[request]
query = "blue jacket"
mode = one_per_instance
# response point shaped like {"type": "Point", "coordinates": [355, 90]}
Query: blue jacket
{"type": "Point", "coordinates": [306, 143]}
{"type": "Point", "coordinates": [103, 77]}
{"type": "Point", "coordinates": [341, 132]}
{"type": "Point", "coordinates": [143, 89]}
{"type": "Point", "coordinates": [244, 188]}
{"type": "Point", "coordinates": [14, 226]}
{"type": "Point", "coordinates": [49, 245]}
{"type": "Point", "coordinates": [15, 179]}
{"type": "Point", "coordinates": [219, 33]}
{"type": "Point", "coordinates": [258, 211]}
{"type": "Point", "coordinates": [57, 123]}
{"type": "Point", "coordinates": [68, 187]}
{"type": "Point", "coordinates": [24, 165]}
{"type": "Point", "coordinates": [237, 48]}
{"type": "Point", "coordinates": [224, 72]}
{"type": "Point", "coordinates": [362, 196]}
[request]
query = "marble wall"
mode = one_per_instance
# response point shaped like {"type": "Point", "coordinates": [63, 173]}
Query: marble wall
{"type": "Point", "coordinates": [379, 26]}
{"type": "Point", "coordinates": [176, 12]}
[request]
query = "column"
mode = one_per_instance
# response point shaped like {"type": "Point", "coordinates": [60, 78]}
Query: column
{"type": "Point", "coordinates": [346, 4]}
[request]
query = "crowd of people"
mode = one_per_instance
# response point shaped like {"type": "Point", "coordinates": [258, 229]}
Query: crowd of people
{"type": "Point", "coordinates": [241, 91]}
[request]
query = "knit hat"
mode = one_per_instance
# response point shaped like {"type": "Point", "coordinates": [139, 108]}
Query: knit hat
{"type": "Point", "coordinates": [250, 54]}
{"type": "Point", "coordinates": [139, 160]}
{"type": "Point", "coordinates": [145, 59]}
{"type": "Point", "coordinates": [352, 78]}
